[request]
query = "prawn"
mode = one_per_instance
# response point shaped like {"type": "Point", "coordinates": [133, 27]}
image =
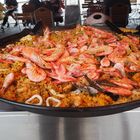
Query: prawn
{"type": "Point", "coordinates": [59, 73]}
{"type": "Point", "coordinates": [2, 59]}
{"type": "Point", "coordinates": [7, 82]}
{"type": "Point", "coordinates": [34, 73]}
{"type": "Point", "coordinates": [15, 58]}
{"type": "Point", "coordinates": [33, 55]}
{"type": "Point", "coordinates": [118, 90]}
{"type": "Point", "coordinates": [58, 52]}
{"type": "Point", "coordinates": [100, 50]}
{"type": "Point", "coordinates": [105, 62]}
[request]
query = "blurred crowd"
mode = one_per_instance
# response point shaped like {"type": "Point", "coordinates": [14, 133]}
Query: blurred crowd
{"type": "Point", "coordinates": [12, 5]}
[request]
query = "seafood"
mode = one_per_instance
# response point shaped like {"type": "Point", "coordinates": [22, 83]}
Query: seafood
{"type": "Point", "coordinates": [59, 50]}
{"type": "Point", "coordinates": [53, 92]}
{"type": "Point", "coordinates": [90, 71]}
{"type": "Point", "coordinates": [118, 90]}
{"type": "Point", "coordinates": [34, 97]}
{"type": "Point", "coordinates": [111, 71]}
{"type": "Point", "coordinates": [122, 83]}
{"type": "Point", "coordinates": [34, 73]}
{"type": "Point", "coordinates": [34, 56]}
{"type": "Point", "coordinates": [105, 62]}
{"type": "Point", "coordinates": [55, 101]}
{"type": "Point", "coordinates": [53, 67]}
{"type": "Point", "coordinates": [59, 73]}
{"type": "Point", "coordinates": [75, 70]}
{"type": "Point", "coordinates": [121, 68]}
{"type": "Point", "coordinates": [7, 82]}
{"type": "Point", "coordinates": [15, 58]}
{"type": "Point", "coordinates": [100, 50]}
{"type": "Point", "coordinates": [135, 59]}
{"type": "Point", "coordinates": [2, 60]}
{"type": "Point", "coordinates": [82, 40]}
{"type": "Point", "coordinates": [29, 53]}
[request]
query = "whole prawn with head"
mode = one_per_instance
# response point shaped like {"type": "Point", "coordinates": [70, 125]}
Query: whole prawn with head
{"type": "Point", "coordinates": [34, 73]}
{"type": "Point", "coordinates": [7, 82]}
{"type": "Point", "coordinates": [32, 54]}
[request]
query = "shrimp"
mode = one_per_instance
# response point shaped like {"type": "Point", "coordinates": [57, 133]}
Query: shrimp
{"type": "Point", "coordinates": [119, 53]}
{"type": "Point", "coordinates": [34, 73]}
{"type": "Point", "coordinates": [82, 40]}
{"type": "Point", "coordinates": [135, 58]}
{"type": "Point", "coordinates": [118, 90]}
{"type": "Point", "coordinates": [17, 50]}
{"type": "Point", "coordinates": [5, 61]}
{"type": "Point", "coordinates": [8, 48]}
{"type": "Point", "coordinates": [75, 69]}
{"type": "Point", "coordinates": [59, 73]}
{"type": "Point", "coordinates": [105, 62]}
{"type": "Point", "coordinates": [15, 58]}
{"type": "Point", "coordinates": [66, 58]}
{"type": "Point", "coordinates": [33, 55]}
{"type": "Point", "coordinates": [46, 34]}
{"type": "Point", "coordinates": [124, 83]}
{"type": "Point", "coordinates": [99, 33]}
{"type": "Point", "coordinates": [111, 71]}
{"type": "Point", "coordinates": [100, 50]}
{"type": "Point", "coordinates": [30, 53]}
{"type": "Point", "coordinates": [7, 82]}
{"type": "Point", "coordinates": [59, 51]}
{"type": "Point", "coordinates": [2, 59]}
{"type": "Point", "coordinates": [121, 68]}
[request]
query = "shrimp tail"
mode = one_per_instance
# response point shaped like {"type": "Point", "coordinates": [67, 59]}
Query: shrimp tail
{"type": "Point", "coordinates": [2, 91]}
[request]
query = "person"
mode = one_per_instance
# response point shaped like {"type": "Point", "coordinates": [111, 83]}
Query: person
{"type": "Point", "coordinates": [109, 3]}
{"type": "Point", "coordinates": [124, 8]}
{"type": "Point", "coordinates": [11, 6]}
{"type": "Point", "coordinates": [36, 3]}
{"type": "Point", "coordinates": [54, 6]}
{"type": "Point", "coordinates": [30, 7]}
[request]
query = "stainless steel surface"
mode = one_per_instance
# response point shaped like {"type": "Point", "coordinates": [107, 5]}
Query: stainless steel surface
{"type": "Point", "coordinates": [21, 125]}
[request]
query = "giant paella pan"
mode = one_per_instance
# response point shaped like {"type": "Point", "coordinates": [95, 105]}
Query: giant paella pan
{"type": "Point", "coordinates": [79, 72]}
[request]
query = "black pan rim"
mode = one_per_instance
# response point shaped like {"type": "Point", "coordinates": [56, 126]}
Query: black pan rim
{"type": "Point", "coordinates": [135, 103]}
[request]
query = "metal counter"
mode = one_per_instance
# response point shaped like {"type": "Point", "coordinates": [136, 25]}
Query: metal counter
{"type": "Point", "coordinates": [21, 125]}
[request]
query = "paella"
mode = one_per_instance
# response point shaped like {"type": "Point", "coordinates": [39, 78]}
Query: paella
{"type": "Point", "coordinates": [71, 68]}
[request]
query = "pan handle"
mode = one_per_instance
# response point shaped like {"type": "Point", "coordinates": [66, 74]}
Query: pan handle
{"type": "Point", "coordinates": [15, 37]}
{"type": "Point", "coordinates": [12, 38]}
